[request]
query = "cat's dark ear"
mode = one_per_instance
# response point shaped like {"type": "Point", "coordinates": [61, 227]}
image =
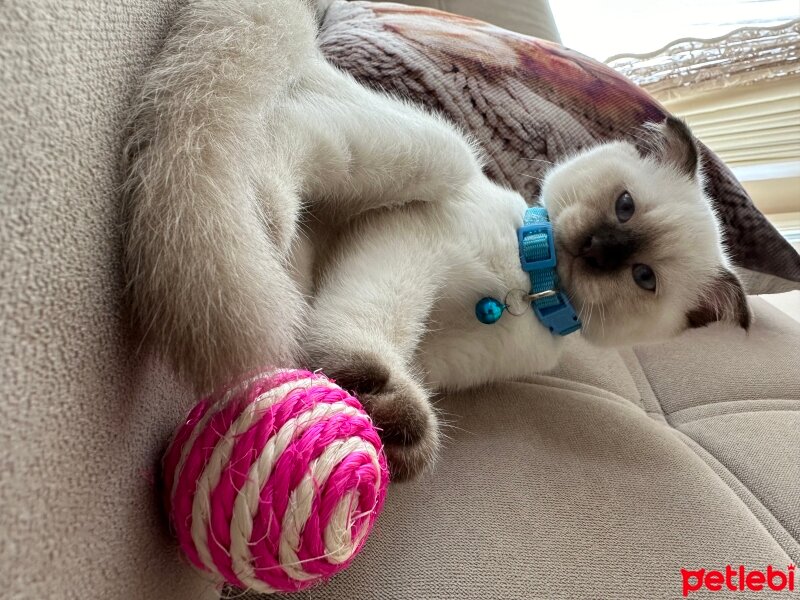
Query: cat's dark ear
{"type": "Point", "coordinates": [672, 142]}
{"type": "Point", "coordinates": [723, 299]}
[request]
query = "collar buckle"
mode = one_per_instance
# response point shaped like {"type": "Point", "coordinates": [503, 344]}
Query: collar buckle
{"type": "Point", "coordinates": [536, 246]}
{"type": "Point", "coordinates": [559, 317]}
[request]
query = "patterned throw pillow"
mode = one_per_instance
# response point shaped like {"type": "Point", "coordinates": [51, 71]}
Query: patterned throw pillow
{"type": "Point", "coordinates": [530, 103]}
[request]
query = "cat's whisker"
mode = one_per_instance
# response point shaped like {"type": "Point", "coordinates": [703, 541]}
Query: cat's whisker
{"type": "Point", "coordinates": [539, 179]}
{"type": "Point", "coordinates": [574, 193]}
{"type": "Point", "coordinates": [588, 318]}
{"type": "Point", "coordinates": [560, 203]}
{"type": "Point", "coordinates": [602, 311]}
{"type": "Point", "coordinates": [541, 160]}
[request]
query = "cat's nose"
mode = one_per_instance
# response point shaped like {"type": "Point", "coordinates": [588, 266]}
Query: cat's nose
{"type": "Point", "coordinates": [607, 251]}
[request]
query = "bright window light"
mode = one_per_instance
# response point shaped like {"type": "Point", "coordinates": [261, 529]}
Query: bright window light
{"type": "Point", "coordinates": [604, 28]}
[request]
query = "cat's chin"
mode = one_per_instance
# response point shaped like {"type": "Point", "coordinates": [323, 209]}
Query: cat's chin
{"type": "Point", "coordinates": [568, 271]}
{"type": "Point", "coordinates": [565, 267]}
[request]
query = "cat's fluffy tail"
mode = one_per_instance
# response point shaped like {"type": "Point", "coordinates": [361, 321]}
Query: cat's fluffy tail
{"type": "Point", "coordinates": [206, 273]}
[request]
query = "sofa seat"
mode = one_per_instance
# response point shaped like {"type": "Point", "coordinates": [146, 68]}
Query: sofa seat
{"type": "Point", "coordinates": [605, 478]}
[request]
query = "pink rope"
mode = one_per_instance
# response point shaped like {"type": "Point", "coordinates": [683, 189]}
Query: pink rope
{"type": "Point", "coordinates": [361, 475]}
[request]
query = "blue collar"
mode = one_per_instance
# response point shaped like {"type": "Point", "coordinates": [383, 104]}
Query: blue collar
{"type": "Point", "coordinates": [537, 256]}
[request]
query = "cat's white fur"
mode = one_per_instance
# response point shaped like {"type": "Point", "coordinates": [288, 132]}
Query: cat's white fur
{"type": "Point", "coordinates": [279, 212]}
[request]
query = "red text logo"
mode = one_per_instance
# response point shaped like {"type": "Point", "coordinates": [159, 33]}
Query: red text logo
{"type": "Point", "coordinates": [738, 580]}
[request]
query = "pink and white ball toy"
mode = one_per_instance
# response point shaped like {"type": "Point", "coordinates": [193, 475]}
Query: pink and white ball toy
{"type": "Point", "coordinates": [276, 484]}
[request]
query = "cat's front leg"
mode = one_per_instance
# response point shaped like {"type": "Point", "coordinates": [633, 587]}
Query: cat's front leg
{"type": "Point", "coordinates": [368, 317]}
{"type": "Point", "coordinates": [365, 150]}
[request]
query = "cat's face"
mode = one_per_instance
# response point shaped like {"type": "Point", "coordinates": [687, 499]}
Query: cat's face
{"type": "Point", "coordinates": [639, 248]}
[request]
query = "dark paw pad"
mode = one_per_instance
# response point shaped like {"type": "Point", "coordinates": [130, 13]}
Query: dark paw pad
{"type": "Point", "coordinates": [407, 462]}
{"type": "Point", "coordinates": [401, 417]}
{"type": "Point", "coordinates": [361, 375]}
{"type": "Point", "coordinates": [407, 426]}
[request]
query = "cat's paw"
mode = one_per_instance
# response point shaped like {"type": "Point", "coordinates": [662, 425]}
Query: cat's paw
{"type": "Point", "coordinates": [400, 410]}
{"type": "Point", "coordinates": [407, 425]}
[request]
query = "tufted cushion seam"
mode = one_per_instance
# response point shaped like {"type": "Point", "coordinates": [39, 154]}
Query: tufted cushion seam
{"type": "Point", "coordinates": [679, 421]}
{"type": "Point", "coordinates": [747, 496]}
{"type": "Point", "coordinates": [760, 512]}
{"type": "Point", "coordinates": [559, 383]}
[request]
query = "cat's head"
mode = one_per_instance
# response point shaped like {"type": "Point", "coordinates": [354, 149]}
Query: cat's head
{"type": "Point", "coordinates": [639, 248]}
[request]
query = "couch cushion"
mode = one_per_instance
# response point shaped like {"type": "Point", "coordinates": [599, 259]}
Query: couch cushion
{"type": "Point", "coordinates": [529, 103]}
{"type": "Point", "coordinates": [556, 488]}
{"type": "Point", "coordinates": [704, 386]}
{"type": "Point", "coordinates": [84, 415]}
{"type": "Point", "coordinates": [737, 397]}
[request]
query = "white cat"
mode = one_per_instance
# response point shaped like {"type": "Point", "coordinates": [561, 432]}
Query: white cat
{"type": "Point", "coordinates": [278, 212]}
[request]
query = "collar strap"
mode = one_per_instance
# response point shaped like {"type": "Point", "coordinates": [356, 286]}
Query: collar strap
{"type": "Point", "coordinates": [537, 255]}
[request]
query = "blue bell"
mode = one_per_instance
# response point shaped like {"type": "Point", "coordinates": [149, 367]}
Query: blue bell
{"type": "Point", "coordinates": [489, 310]}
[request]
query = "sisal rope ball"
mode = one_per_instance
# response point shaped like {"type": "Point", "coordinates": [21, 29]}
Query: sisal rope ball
{"type": "Point", "coordinates": [276, 484]}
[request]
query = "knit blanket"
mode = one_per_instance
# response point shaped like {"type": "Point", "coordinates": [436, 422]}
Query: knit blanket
{"type": "Point", "coordinates": [530, 103]}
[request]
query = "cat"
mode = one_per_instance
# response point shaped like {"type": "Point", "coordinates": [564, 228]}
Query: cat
{"type": "Point", "coordinates": [278, 212]}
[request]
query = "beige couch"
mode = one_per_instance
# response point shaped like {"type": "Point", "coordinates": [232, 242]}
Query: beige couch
{"type": "Point", "coordinates": [599, 481]}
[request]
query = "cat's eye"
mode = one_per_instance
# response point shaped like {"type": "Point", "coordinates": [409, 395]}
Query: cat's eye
{"type": "Point", "coordinates": [644, 277]}
{"type": "Point", "coordinates": [624, 207]}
